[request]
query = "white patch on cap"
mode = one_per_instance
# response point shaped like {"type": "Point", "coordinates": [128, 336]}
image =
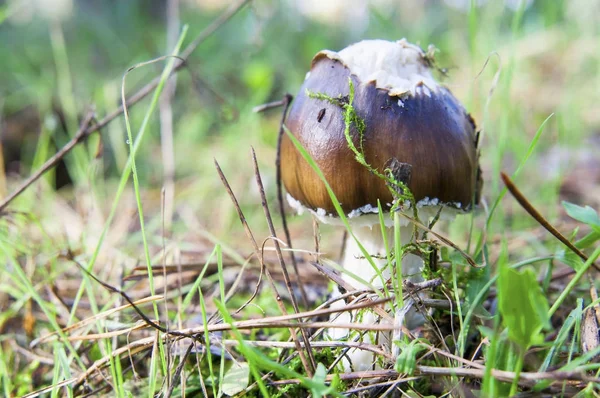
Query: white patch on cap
{"type": "Point", "coordinates": [295, 204]}
{"type": "Point", "coordinates": [366, 209]}
{"type": "Point", "coordinates": [366, 216]}
{"type": "Point", "coordinates": [397, 66]}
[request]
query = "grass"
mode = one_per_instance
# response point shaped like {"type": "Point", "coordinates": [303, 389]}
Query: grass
{"type": "Point", "coordinates": [528, 76]}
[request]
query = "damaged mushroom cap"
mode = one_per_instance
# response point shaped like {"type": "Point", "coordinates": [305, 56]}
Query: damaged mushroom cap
{"type": "Point", "coordinates": [408, 116]}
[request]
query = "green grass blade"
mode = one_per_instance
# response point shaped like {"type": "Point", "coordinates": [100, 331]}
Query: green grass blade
{"type": "Point", "coordinates": [338, 207]}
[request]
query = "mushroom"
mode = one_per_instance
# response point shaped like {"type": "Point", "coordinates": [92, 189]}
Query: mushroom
{"type": "Point", "coordinates": [411, 123]}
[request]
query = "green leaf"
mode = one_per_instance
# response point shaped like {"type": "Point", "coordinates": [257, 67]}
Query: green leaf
{"type": "Point", "coordinates": [586, 214]}
{"type": "Point", "coordinates": [407, 360]}
{"type": "Point", "coordinates": [235, 379]}
{"type": "Point", "coordinates": [563, 334]}
{"type": "Point", "coordinates": [523, 306]}
{"type": "Point", "coordinates": [588, 240]}
{"type": "Point", "coordinates": [569, 258]}
{"type": "Point", "coordinates": [477, 278]}
{"type": "Point", "coordinates": [321, 389]}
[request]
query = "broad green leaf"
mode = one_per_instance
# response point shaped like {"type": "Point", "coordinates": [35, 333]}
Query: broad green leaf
{"type": "Point", "coordinates": [586, 214]}
{"type": "Point", "coordinates": [522, 305]}
{"type": "Point", "coordinates": [235, 379]}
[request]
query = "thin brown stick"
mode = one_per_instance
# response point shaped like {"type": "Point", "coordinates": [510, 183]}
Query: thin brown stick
{"type": "Point", "coordinates": [391, 383]}
{"type": "Point", "coordinates": [124, 295]}
{"type": "Point", "coordinates": [286, 101]}
{"type": "Point", "coordinates": [271, 105]}
{"type": "Point", "coordinates": [286, 276]}
{"type": "Point", "coordinates": [179, 369]}
{"type": "Point", "coordinates": [134, 99]}
{"type": "Point", "coordinates": [53, 161]}
{"type": "Point", "coordinates": [526, 379]}
{"type": "Point", "coordinates": [525, 204]}
{"type": "Point", "coordinates": [259, 255]}
{"type": "Point", "coordinates": [274, 321]}
{"type": "Point", "coordinates": [370, 374]}
{"type": "Point", "coordinates": [443, 239]}
{"type": "Point", "coordinates": [347, 287]}
{"type": "Point", "coordinates": [317, 239]}
{"type": "Point", "coordinates": [315, 344]}
{"type": "Point", "coordinates": [148, 342]}
{"type": "Point", "coordinates": [44, 390]}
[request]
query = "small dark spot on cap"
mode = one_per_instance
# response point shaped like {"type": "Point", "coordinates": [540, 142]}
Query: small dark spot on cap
{"type": "Point", "coordinates": [321, 115]}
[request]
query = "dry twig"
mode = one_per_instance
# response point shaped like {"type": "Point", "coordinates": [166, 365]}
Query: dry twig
{"type": "Point", "coordinates": [537, 216]}
{"type": "Point", "coordinates": [259, 255]}
{"type": "Point", "coordinates": [134, 99]}
{"type": "Point", "coordinates": [80, 136]}
{"type": "Point", "coordinates": [286, 277]}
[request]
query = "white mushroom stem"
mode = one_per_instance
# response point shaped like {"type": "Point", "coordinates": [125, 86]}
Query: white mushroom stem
{"type": "Point", "coordinates": [372, 241]}
{"type": "Point", "coordinates": [356, 264]}
{"type": "Point", "coordinates": [366, 229]}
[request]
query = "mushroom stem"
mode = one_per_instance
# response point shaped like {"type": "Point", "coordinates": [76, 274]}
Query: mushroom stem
{"type": "Point", "coordinates": [371, 238]}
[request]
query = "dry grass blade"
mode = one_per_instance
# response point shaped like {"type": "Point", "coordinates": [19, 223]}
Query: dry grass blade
{"type": "Point", "coordinates": [315, 344]}
{"type": "Point", "coordinates": [286, 101]}
{"type": "Point", "coordinates": [124, 295]}
{"type": "Point", "coordinates": [518, 195]}
{"type": "Point", "coordinates": [391, 383]}
{"type": "Point", "coordinates": [48, 389]}
{"type": "Point", "coordinates": [125, 331]}
{"type": "Point", "coordinates": [286, 276]}
{"type": "Point", "coordinates": [280, 304]}
{"type": "Point", "coordinates": [443, 239]}
{"type": "Point", "coordinates": [369, 374]}
{"type": "Point", "coordinates": [148, 342]}
{"type": "Point", "coordinates": [527, 379]}
{"type": "Point", "coordinates": [268, 322]}
{"type": "Point", "coordinates": [93, 319]}
{"type": "Point", "coordinates": [272, 105]}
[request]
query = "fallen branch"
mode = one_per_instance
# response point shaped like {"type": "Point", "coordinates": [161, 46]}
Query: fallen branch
{"type": "Point", "coordinates": [80, 136]}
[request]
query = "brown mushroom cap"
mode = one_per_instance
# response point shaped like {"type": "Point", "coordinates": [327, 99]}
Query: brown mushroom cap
{"type": "Point", "coordinates": [426, 128]}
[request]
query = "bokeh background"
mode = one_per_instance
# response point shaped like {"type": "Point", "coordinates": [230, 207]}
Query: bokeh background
{"type": "Point", "coordinates": [60, 56]}
{"type": "Point", "coordinates": [512, 63]}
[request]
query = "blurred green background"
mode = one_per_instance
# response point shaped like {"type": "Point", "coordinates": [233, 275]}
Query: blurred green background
{"type": "Point", "coordinates": [512, 63]}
